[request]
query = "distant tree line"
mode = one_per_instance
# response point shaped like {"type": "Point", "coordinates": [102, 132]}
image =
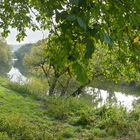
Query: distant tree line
{"type": "Point", "coordinates": [5, 57]}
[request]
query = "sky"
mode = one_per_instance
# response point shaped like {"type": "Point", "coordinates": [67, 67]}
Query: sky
{"type": "Point", "coordinates": [32, 37]}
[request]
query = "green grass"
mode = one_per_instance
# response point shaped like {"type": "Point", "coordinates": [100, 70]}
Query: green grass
{"type": "Point", "coordinates": [52, 118]}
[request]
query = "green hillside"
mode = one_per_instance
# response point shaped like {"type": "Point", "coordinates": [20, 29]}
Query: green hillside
{"type": "Point", "coordinates": [20, 117]}
{"type": "Point", "coordinates": [28, 117]}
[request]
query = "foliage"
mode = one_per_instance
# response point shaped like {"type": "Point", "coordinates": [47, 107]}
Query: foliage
{"type": "Point", "coordinates": [87, 39]}
{"type": "Point", "coordinates": [5, 57]}
{"type": "Point", "coordinates": [104, 63]}
{"type": "Point", "coordinates": [19, 55]}
{"type": "Point", "coordinates": [35, 58]}
{"type": "Point", "coordinates": [76, 26]}
{"type": "Point", "coordinates": [35, 87]}
{"type": "Point", "coordinates": [40, 62]}
{"type": "Point", "coordinates": [62, 109]}
{"type": "Point", "coordinates": [114, 64]}
{"type": "Point", "coordinates": [38, 86]}
{"type": "Point", "coordinates": [17, 127]}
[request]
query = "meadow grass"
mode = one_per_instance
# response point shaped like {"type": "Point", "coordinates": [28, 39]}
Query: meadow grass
{"type": "Point", "coordinates": [56, 118]}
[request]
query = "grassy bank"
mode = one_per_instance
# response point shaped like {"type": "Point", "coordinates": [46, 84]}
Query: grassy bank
{"type": "Point", "coordinates": [52, 118]}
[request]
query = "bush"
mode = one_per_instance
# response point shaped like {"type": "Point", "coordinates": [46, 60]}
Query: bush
{"type": "Point", "coordinates": [113, 119]}
{"type": "Point", "coordinates": [85, 117]}
{"type": "Point", "coordinates": [58, 108]}
{"type": "Point", "coordinates": [16, 127]}
{"type": "Point", "coordinates": [134, 118]}
{"type": "Point", "coordinates": [99, 132]}
{"type": "Point", "coordinates": [34, 87]}
{"type": "Point", "coordinates": [38, 86]}
{"type": "Point", "coordinates": [4, 136]}
{"type": "Point", "coordinates": [67, 133]}
{"type": "Point", "coordinates": [63, 109]}
{"type": "Point", "coordinates": [20, 88]}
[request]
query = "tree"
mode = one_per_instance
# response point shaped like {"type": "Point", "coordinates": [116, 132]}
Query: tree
{"type": "Point", "coordinates": [104, 63]}
{"type": "Point", "coordinates": [5, 57]}
{"type": "Point", "coordinates": [19, 55]}
{"type": "Point", "coordinates": [78, 25]}
{"type": "Point", "coordinates": [41, 61]}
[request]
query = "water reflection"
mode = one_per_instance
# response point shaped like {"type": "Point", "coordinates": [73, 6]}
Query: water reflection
{"type": "Point", "coordinates": [118, 98]}
{"type": "Point", "coordinates": [15, 76]}
{"type": "Point", "coordinates": [102, 96]}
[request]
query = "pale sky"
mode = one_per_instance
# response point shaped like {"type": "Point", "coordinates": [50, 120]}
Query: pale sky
{"type": "Point", "coordinates": [32, 37]}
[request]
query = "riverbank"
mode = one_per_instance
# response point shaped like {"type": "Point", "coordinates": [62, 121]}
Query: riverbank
{"type": "Point", "coordinates": [24, 116]}
{"type": "Point", "coordinates": [96, 94]}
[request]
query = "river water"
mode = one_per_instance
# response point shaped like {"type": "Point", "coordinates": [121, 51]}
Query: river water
{"type": "Point", "coordinates": [118, 98]}
{"type": "Point", "coordinates": [15, 76]}
{"type": "Point", "coordinates": [103, 96]}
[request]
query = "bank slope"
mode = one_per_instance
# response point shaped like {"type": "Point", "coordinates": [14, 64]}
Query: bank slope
{"type": "Point", "coordinates": [32, 118]}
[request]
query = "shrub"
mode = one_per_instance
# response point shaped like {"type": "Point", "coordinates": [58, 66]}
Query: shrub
{"type": "Point", "coordinates": [68, 133]}
{"type": "Point", "coordinates": [57, 108]}
{"type": "Point", "coordinates": [38, 86]}
{"type": "Point", "coordinates": [134, 118]}
{"type": "Point", "coordinates": [85, 117]}
{"type": "Point", "coordinates": [17, 127]}
{"type": "Point", "coordinates": [4, 136]}
{"type": "Point", "coordinates": [99, 132]}
{"type": "Point", "coordinates": [20, 88]}
{"type": "Point", "coordinates": [35, 87]}
{"type": "Point", "coordinates": [113, 119]}
{"type": "Point", "coordinates": [62, 109]}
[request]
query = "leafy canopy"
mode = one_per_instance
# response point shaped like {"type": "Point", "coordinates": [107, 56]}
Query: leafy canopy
{"type": "Point", "coordinates": [78, 25]}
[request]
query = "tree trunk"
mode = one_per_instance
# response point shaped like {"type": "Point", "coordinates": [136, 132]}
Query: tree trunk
{"type": "Point", "coordinates": [52, 87]}
{"type": "Point", "coordinates": [63, 91]}
{"type": "Point", "coordinates": [78, 91]}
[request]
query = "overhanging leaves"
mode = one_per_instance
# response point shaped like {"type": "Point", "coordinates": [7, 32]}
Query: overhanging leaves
{"type": "Point", "coordinates": [89, 48]}
{"type": "Point", "coordinates": [107, 39]}
{"type": "Point", "coordinates": [71, 17]}
{"type": "Point", "coordinates": [74, 2]}
{"type": "Point", "coordinates": [80, 73]}
{"type": "Point", "coordinates": [82, 22]}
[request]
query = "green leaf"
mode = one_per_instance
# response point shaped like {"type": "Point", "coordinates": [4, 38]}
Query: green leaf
{"type": "Point", "coordinates": [71, 17]}
{"type": "Point", "coordinates": [75, 2]}
{"type": "Point", "coordinates": [57, 16]}
{"type": "Point", "coordinates": [89, 49]}
{"type": "Point", "coordinates": [107, 39]}
{"type": "Point", "coordinates": [80, 73]}
{"type": "Point", "coordinates": [82, 23]}
{"type": "Point", "coordinates": [60, 16]}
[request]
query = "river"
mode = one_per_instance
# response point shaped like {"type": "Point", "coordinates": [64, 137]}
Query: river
{"type": "Point", "coordinates": [15, 76]}
{"type": "Point", "coordinates": [118, 98]}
